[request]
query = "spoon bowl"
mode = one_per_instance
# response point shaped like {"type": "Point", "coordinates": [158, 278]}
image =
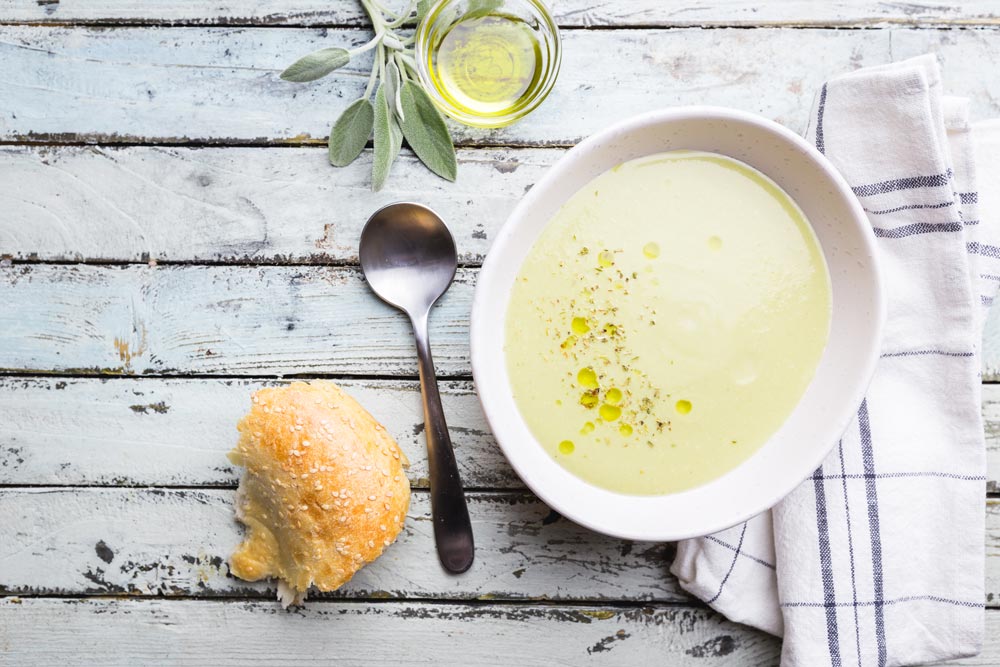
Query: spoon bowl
{"type": "Point", "coordinates": [408, 256]}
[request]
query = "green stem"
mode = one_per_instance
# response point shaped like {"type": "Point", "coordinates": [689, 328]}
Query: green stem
{"type": "Point", "coordinates": [369, 45]}
{"type": "Point", "coordinates": [374, 75]}
{"type": "Point", "coordinates": [410, 64]}
{"type": "Point", "coordinates": [380, 55]}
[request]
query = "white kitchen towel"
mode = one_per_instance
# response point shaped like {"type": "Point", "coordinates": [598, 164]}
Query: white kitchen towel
{"type": "Point", "coordinates": [878, 557]}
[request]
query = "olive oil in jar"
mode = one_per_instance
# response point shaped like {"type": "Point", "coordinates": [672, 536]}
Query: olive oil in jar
{"type": "Point", "coordinates": [487, 65]}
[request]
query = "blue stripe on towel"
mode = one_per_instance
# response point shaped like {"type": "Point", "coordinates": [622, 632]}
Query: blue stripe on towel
{"type": "Point", "coordinates": [820, 143]}
{"type": "Point", "coordinates": [739, 546]}
{"type": "Point", "coordinates": [910, 207]}
{"type": "Point", "coordinates": [915, 229]}
{"type": "Point", "coordinates": [977, 248]}
{"type": "Point", "coordinates": [925, 353]}
{"type": "Point", "coordinates": [886, 603]}
{"type": "Point", "coordinates": [903, 475]}
{"type": "Point", "coordinates": [868, 459]}
{"type": "Point", "coordinates": [850, 549]}
{"type": "Point", "coordinates": [826, 568]}
{"type": "Point", "coordinates": [744, 554]}
{"type": "Point", "coordinates": [908, 183]}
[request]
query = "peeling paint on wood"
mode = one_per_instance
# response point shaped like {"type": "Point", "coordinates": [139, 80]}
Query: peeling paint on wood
{"type": "Point", "coordinates": [176, 432]}
{"type": "Point", "coordinates": [171, 632]}
{"type": "Point", "coordinates": [176, 542]}
{"type": "Point", "coordinates": [568, 13]}
{"type": "Point", "coordinates": [217, 319]}
{"type": "Point", "coordinates": [160, 408]}
{"type": "Point", "coordinates": [378, 634]}
{"type": "Point", "coordinates": [104, 552]}
{"type": "Point", "coordinates": [109, 85]}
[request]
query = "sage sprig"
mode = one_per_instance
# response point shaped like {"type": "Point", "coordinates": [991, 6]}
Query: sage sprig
{"type": "Point", "coordinates": [401, 107]}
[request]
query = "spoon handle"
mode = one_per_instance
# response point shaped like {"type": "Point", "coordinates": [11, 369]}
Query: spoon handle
{"type": "Point", "coordinates": [452, 528]}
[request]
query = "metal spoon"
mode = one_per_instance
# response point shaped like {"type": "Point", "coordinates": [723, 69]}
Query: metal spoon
{"type": "Point", "coordinates": [408, 257]}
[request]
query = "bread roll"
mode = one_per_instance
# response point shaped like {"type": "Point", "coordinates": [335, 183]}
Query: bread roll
{"type": "Point", "coordinates": [323, 493]}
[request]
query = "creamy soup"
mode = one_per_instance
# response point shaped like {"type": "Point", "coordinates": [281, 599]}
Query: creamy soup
{"type": "Point", "coordinates": [666, 322]}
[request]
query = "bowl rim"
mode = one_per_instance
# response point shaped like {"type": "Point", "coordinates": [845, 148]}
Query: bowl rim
{"type": "Point", "coordinates": [482, 357]}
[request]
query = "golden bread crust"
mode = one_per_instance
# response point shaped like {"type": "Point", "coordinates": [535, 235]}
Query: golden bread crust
{"type": "Point", "coordinates": [324, 491]}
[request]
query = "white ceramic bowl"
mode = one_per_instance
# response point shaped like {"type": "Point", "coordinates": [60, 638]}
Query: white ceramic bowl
{"type": "Point", "coordinates": [828, 404]}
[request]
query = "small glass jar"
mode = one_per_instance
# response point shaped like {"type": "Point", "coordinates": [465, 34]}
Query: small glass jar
{"type": "Point", "coordinates": [488, 63]}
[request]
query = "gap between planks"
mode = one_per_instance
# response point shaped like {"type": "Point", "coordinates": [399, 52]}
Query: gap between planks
{"type": "Point", "coordinates": [516, 603]}
{"type": "Point", "coordinates": [568, 14]}
{"type": "Point", "coordinates": [874, 24]}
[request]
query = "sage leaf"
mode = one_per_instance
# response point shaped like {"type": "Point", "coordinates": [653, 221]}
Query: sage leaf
{"type": "Point", "coordinates": [383, 140]}
{"type": "Point", "coordinates": [426, 132]}
{"type": "Point", "coordinates": [397, 137]}
{"type": "Point", "coordinates": [350, 133]}
{"type": "Point", "coordinates": [316, 65]}
{"type": "Point", "coordinates": [399, 102]}
{"type": "Point", "coordinates": [393, 82]}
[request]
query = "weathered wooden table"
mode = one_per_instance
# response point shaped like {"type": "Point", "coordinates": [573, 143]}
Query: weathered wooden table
{"type": "Point", "coordinates": [173, 238]}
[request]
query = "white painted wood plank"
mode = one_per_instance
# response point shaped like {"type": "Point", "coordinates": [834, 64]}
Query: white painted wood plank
{"type": "Point", "coordinates": [960, 75]}
{"type": "Point", "coordinates": [90, 541]}
{"type": "Point", "coordinates": [176, 432]}
{"type": "Point", "coordinates": [237, 204]}
{"type": "Point", "coordinates": [587, 13]}
{"type": "Point", "coordinates": [991, 425]}
{"type": "Point", "coordinates": [221, 85]}
{"type": "Point", "coordinates": [126, 632]}
{"type": "Point", "coordinates": [236, 634]}
{"type": "Point", "coordinates": [217, 319]}
{"type": "Point", "coordinates": [176, 542]}
{"type": "Point", "coordinates": [991, 346]}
